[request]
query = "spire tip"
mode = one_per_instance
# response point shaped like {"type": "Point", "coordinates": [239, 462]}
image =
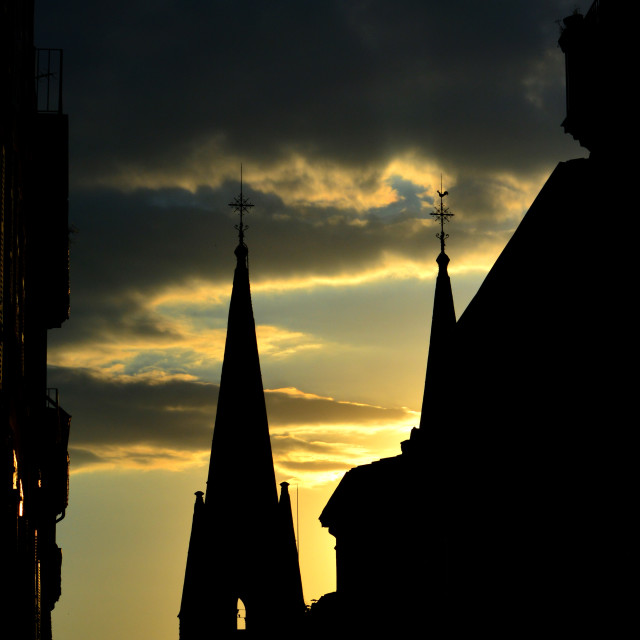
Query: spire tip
{"type": "Point", "coordinates": [442, 214]}
{"type": "Point", "coordinates": [241, 205]}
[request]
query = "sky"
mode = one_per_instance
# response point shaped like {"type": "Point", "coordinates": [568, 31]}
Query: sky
{"type": "Point", "coordinates": [346, 116]}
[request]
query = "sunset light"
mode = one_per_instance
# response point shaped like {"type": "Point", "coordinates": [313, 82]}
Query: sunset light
{"type": "Point", "coordinates": [341, 123]}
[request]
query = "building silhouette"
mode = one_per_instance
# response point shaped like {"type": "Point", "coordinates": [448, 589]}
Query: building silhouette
{"type": "Point", "coordinates": [506, 512]}
{"type": "Point", "coordinates": [34, 297]}
{"type": "Point", "coordinates": [242, 552]}
{"type": "Point", "coordinates": [387, 516]}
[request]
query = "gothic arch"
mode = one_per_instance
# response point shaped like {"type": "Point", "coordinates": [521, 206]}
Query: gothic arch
{"type": "Point", "coordinates": [241, 621]}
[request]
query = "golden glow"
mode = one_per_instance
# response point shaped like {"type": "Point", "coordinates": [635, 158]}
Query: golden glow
{"type": "Point", "coordinates": [281, 343]}
{"type": "Point", "coordinates": [319, 456]}
{"type": "Point", "coordinates": [139, 457]}
{"type": "Point", "coordinates": [242, 615]}
{"type": "Point", "coordinates": [306, 182]}
{"type": "Point", "coordinates": [420, 171]}
{"type": "Point", "coordinates": [193, 347]}
{"type": "Point", "coordinates": [511, 196]}
{"type": "Point", "coordinates": [178, 337]}
{"type": "Point", "coordinates": [297, 393]}
{"type": "Point", "coordinates": [296, 179]}
{"type": "Point", "coordinates": [309, 455]}
{"type": "Point", "coordinates": [15, 470]}
{"type": "Point", "coordinates": [199, 293]}
{"type": "Point", "coordinates": [327, 451]}
{"type": "Point", "coordinates": [301, 181]}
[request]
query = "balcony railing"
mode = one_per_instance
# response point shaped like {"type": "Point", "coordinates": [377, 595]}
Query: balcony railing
{"type": "Point", "coordinates": [49, 80]}
{"type": "Point", "coordinates": [56, 462]}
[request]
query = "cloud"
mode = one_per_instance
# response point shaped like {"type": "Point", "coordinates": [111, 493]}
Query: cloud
{"type": "Point", "coordinates": [184, 347]}
{"type": "Point", "coordinates": [345, 116]}
{"type": "Point", "coordinates": [159, 242]}
{"type": "Point", "coordinates": [149, 423]}
{"type": "Point", "coordinates": [289, 406]}
{"type": "Point", "coordinates": [466, 84]}
{"type": "Point", "coordinates": [152, 269]}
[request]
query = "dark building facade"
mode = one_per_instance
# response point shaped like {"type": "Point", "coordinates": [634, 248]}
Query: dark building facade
{"type": "Point", "coordinates": [594, 46]}
{"type": "Point", "coordinates": [507, 512]}
{"type": "Point", "coordinates": [34, 297]}
{"type": "Point", "coordinates": [242, 553]}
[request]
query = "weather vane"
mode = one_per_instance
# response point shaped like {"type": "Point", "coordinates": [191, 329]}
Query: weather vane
{"type": "Point", "coordinates": [442, 214]}
{"type": "Point", "coordinates": [241, 205]}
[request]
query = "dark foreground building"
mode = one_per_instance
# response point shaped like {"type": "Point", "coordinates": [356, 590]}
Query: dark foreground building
{"type": "Point", "coordinates": [242, 560]}
{"type": "Point", "coordinates": [506, 513]}
{"type": "Point", "coordinates": [34, 297]}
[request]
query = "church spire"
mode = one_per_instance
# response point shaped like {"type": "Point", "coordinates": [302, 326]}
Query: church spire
{"type": "Point", "coordinates": [289, 566]}
{"type": "Point", "coordinates": [241, 449]}
{"type": "Point", "coordinates": [240, 551]}
{"type": "Point", "coordinates": [442, 322]}
{"type": "Point", "coordinates": [194, 595]}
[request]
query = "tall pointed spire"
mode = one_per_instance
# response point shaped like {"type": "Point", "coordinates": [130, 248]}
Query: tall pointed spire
{"type": "Point", "coordinates": [194, 592]}
{"type": "Point", "coordinates": [239, 554]}
{"type": "Point", "coordinates": [241, 427]}
{"type": "Point", "coordinates": [442, 322]}
{"type": "Point", "coordinates": [289, 568]}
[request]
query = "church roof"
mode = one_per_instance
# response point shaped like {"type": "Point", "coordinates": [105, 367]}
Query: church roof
{"type": "Point", "coordinates": [361, 492]}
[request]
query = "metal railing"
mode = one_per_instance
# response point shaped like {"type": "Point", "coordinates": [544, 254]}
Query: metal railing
{"type": "Point", "coordinates": [52, 398]}
{"type": "Point", "coordinates": [49, 80]}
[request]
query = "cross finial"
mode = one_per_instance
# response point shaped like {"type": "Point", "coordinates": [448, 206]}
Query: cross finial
{"type": "Point", "coordinates": [241, 205]}
{"type": "Point", "coordinates": [442, 214]}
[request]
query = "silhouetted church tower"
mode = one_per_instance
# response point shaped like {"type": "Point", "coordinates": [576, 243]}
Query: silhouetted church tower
{"type": "Point", "coordinates": [387, 516]}
{"type": "Point", "coordinates": [242, 551]}
{"type": "Point", "coordinates": [519, 476]}
{"type": "Point", "coordinates": [443, 320]}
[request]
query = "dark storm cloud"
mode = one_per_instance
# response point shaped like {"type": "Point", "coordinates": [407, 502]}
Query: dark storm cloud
{"type": "Point", "coordinates": [287, 442]}
{"type": "Point", "coordinates": [287, 410]}
{"type": "Point", "coordinates": [131, 242]}
{"type": "Point", "coordinates": [467, 82]}
{"type": "Point", "coordinates": [134, 242]}
{"type": "Point", "coordinates": [179, 415]}
{"type": "Point", "coordinates": [112, 412]}
{"type": "Point", "coordinates": [130, 245]}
